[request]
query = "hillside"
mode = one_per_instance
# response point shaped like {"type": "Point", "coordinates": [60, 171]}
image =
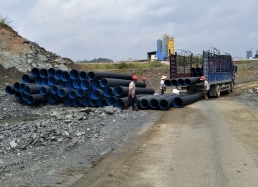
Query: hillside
{"type": "Point", "coordinates": [19, 55]}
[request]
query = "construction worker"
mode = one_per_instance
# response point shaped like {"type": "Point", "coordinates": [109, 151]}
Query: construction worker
{"type": "Point", "coordinates": [131, 95]}
{"type": "Point", "coordinates": [144, 80]}
{"type": "Point", "coordinates": [162, 85]}
{"type": "Point", "coordinates": [206, 87]}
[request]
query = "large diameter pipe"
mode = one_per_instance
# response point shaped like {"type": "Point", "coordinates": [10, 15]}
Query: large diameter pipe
{"type": "Point", "coordinates": [32, 89]}
{"type": "Point", "coordinates": [35, 72]}
{"type": "Point", "coordinates": [53, 99]}
{"type": "Point", "coordinates": [16, 86]}
{"type": "Point", "coordinates": [28, 79]}
{"type": "Point", "coordinates": [154, 102]}
{"type": "Point", "coordinates": [74, 74]}
{"type": "Point", "coordinates": [108, 82]}
{"type": "Point", "coordinates": [51, 72]}
{"type": "Point", "coordinates": [34, 99]}
{"type": "Point", "coordinates": [167, 82]}
{"type": "Point", "coordinates": [58, 74]}
{"type": "Point", "coordinates": [54, 89]}
{"type": "Point", "coordinates": [62, 83]}
{"type": "Point", "coordinates": [43, 73]}
{"type": "Point", "coordinates": [111, 101]}
{"type": "Point", "coordinates": [121, 102]}
{"type": "Point", "coordinates": [44, 81]}
{"type": "Point", "coordinates": [24, 96]}
{"type": "Point", "coordinates": [72, 94]}
{"type": "Point", "coordinates": [120, 91]}
{"type": "Point", "coordinates": [9, 90]}
{"type": "Point", "coordinates": [167, 102]}
{"type": "Point", "coordinates": [63, 92]}
{"type": "Point", "coordinates": [68, 101]}
{"type": "Point", "coordinates": [86, 101]}
{"type": "Point", "coordinates": [85, 84]}
{"type": "Point", "coordinates": [77, 83]}
{"type": "Point", "coordinates": [69, 84]}
{"type": "Point", "coordinates": [173, 82]}
{"type": "Point", "coordinates": [99, 75]}
{"type": "Point", "coordinates": [89, 92]}
{"type": "Point", "coordinates": [18, 95]}
{"type": "Point", "coordinates": [93, 102]}
{"type": "Point", "coordinates": [97, 94]}
{"type": "Point", "coordinates": [81, 92]}
{"type": "Point", "coordinates": [77, 102]}
{"type": "Point", "coordinates": [186, 100]}
{"type": "Point", "coordinates": [96, 84]}
{"type": "Point", "coordinates": [83, 75]}
{"type": "Point", "coordinates": [52, 81]}
{"type": "Point", "coordinates": [65, 76]}
{"type": "Point", "coordinates": [144, 102]}
{"type": "Point", "coordinates": [22, 85]}
{"type": "Point", "coordinates": [38, 80]}
{"type": "Point", "coordinates": [45, 90]}
{"type": "Point", "coordinates": [108, 91]}
{"type": "Point", "coordinates": [191, 81]}
{"type": "Point", "coordinates": [181, 82]}
{"type": "Point", "coordinates": [102, 102]}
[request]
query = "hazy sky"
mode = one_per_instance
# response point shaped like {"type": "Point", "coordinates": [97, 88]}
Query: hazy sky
{"type": "Point", "coordinates": [122, 29]}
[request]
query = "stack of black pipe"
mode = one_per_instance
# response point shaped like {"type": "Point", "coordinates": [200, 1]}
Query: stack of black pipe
{"type": "Point", "coordinates": [184, 81]}
{"type": "Point", "coordinates": [80, 88]}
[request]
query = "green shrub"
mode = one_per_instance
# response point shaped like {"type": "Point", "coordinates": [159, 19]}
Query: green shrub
{"type": "Point", "coordinates": [4, 20]}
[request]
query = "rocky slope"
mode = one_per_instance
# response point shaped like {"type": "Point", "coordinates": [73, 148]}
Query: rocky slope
{"type": "Point", "coordinates": [23, 54]}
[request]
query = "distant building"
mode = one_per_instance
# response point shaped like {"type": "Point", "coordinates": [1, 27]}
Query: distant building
{"type": "Point", "coordinates": [256, 52]}
{"type": "Point", "coordinates": [249, 54]}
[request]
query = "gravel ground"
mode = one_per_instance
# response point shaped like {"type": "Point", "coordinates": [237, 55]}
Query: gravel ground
{"type": "Point", "coordinates": [53, 145]}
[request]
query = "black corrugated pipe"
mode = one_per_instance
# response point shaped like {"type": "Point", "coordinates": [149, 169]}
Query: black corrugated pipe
{"type": "Point", "coordinates": [102, 102]}
{"type": "Point", "coordinates": [53, 99]}
{"type": "Point", "coordinates": [99, 75]}
{"type": "Point", "coordinates": [167, 82]}
{"type": "Point", "coordinates": [191, 80]}
{"type": "Point", "coordinates": [121, 102]}
{"type": "Point", "coordinates": [36, 99]}
{"type": "Point", "coordinates": [154, 102]}
{"type": "Point", "coordinates": [85, 84]}
{"type": "Point", "coordinates": [83, 75]}
{"type": "Point", "coordinates": [45, 90]}
{"type": "Point", "coordinates": [120, 91]}
{"type": "Point", "coordinates": [74, 74]}
{"type": "Point", "coordinates": [167, 102]}
{"type": "Point", "coordinates": [18, 95]}
{"type": "Point", "coordinates": [65, 76]}
{"type": "Point", "coordinates": [173, 82]}
{"type": "Point", "coordinates": [181, 82]}
{"type": "Point", "coordinates": [51, 72]}
{"type": "Point", "coordinates": [35, 72]}
{"type": "Point", "coordinates": [108, 91]}
{"type": "Point", "coordinates": [22, 85]}
{"type": "Point", "coordinates": [145, 101]}
{"type": "Point", "coordinates": [53, 81]}
{"type": "Point", "coordinates": [9, 90]}
{"type": "Point", "coordinates": [43, 73]}
{"type": "Point", "coordinates": [16, 86]}
{"type": "Point", "coordinates": [58, 74]}
{"type": "Point", "coordinates": [186, 100]}
{"type": "Point", "coordinates": [77, 102]}
{"type": "Point", "coordinates": [28, 79]}
{"type": "Point", "coordinates": [108, 82]}
{"type": "Point", "coordinates": [32, 89]}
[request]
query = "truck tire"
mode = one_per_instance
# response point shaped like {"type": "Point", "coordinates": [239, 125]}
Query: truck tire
{"type": "Point", "coordinates": [231, 87]}
{"type": "Point", "coordinates": [217, 91]}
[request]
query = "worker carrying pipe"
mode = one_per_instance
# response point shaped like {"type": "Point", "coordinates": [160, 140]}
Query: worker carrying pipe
{"type": "Point", "coordinates": [131, 94]}
{"type": "Point", "coordinates": [206, 87]}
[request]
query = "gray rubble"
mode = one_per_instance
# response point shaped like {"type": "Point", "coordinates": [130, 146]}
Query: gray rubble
{"type": "Point", "coordinates": [39, 144]}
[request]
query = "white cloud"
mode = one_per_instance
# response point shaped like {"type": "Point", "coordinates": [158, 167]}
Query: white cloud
{"type": "Point", "coordinates": [118, 29]}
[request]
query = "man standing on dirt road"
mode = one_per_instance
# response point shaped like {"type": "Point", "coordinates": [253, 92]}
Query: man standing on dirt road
{"type": "Point", "coordinates": [132, 97]}
{"type": "Point", "coordinates": [206, 87]}
{"type": "Point", "coordinates": [162, 85]}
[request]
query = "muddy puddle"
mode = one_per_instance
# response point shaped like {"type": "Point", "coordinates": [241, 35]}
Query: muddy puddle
{"type": "Point", "coordinates": [12, 120]}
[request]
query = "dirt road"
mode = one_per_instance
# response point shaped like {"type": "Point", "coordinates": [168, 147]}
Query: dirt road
{"type": "Point", "coordinates": [208, 143]}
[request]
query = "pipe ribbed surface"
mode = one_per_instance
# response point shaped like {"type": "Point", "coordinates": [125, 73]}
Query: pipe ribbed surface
{"type": "Point", "coordinates": [44, 81]}
{"type": "Point", "coordinates": [53, 99]}
{"type": "Point", "coordinates": [18, 95]}
{"type": "Point", "coordinates": [108, 91]}
{"type": "Point", "coordinates": [62, 83]}
{"type": "Point", "coordinates": [77, 83]}
{"type": "Point", "coordinates": [63, 92]}
{"type": "Point", "coordinates": [85, 84]}
{"type": "Point", "coordinates": [58, 74]}
{"type": "Point", "coordinates": [154, 102]}
{"type": "Point", "coordinates": [83, 75]}
{"type": "Point", "coordinates": [95, 84]}
{"type": "Point", "coordinates": [43, 73]}
{"type": "Point", "coordinates": [186, 100]}
{"type": "Point", "coordinates": [74, 74]}
{"type": "Point", "coordinates": [72, 94]}
{"type": "Point", "coordinates": [16, 86]}
{"type": "Point", "coordinates": [191, 81]}
{"type": "Point", "coordinates": [99, 75]}
{"type": "Point", "coordinates": [35, 72]}
{"type": "Point", "coordinates": [77, 102]}
{"type": "Point", "coordinates": [68, 101]}
{"type": "Point", "coordinates": [181, 82]}
{"type": "Point", "coordinates": [120, 91]}
{"type": "Point", "coordinates": [32, 89]}
{"type": "Point", "coordinates": [65, 76]}
{"type": "Point", "coordinates": [52, 81]}
{"type": "Point", "coordinates": [81, 92]}
{"type": "Point", "coordinates": [69, 84]}
{"type": "Point", "coordinates": [97, 94]}
{"type": "Point", "coordinates": [86, 101]}
{"type": "Point", "coordinates": [38, 80]}
{"type": "Point", "coordinates": [102, 102]}
{"type": "Point", "coordinates": [167, 82]}
{"type": "Point", "coordinates": [121, 102]}
{"type": "Point", "coordinates": [111, 101]}
{"type": "Point", "coordinates": [34, 99]}
{"type": "Point", "coordinates": [28, 79]}
{"type": "Point", "coordinates": [51, 72]}
{"type": "Point", "coordinates": [9, 90]}
{"type": "Point", "coordinates": [54, 89]}
{"type": "Point", "coordinates": [22, 85]}
{"type": "Point", "coordinates": [45, 90]}
{"type": "Point", "coordinates": [93, 102]}
{"type": "Point", "coordinates": [173, 82]}
{"type": "Point", "coordinates": [167, 102]}
{"type": "Point", "coordinates": [144, 102]}
{"type": "Point", "coordinates": [108, 82]}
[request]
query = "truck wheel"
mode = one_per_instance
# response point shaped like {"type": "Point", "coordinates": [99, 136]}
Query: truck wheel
{"type": "Point", "coordinates": [231, 87]}
{"type": "Point", "coordinates": [217, 91]}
